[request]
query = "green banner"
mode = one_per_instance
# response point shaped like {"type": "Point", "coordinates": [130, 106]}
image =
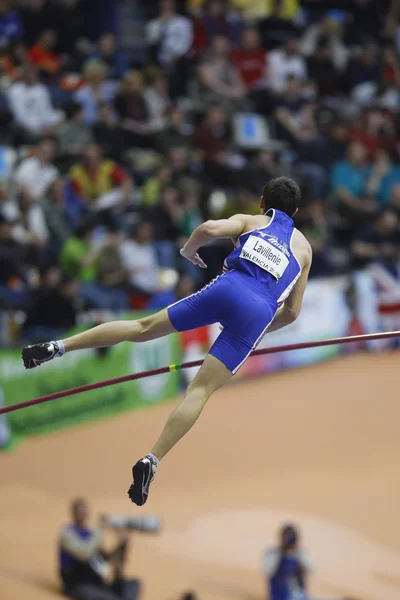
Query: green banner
{"type": "Point", "coordinates": [79, 368]}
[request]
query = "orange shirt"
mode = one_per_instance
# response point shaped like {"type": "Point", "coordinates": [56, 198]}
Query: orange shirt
{"type": "Point", "coordinates": [44, 60]}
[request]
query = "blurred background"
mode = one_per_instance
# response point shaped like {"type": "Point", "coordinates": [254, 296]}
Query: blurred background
{"type": "Point", "coordinates": [123, 125]}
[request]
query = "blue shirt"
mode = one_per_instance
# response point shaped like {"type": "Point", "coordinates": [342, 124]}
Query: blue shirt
{"type": "Point", "coordinates": [10, 28]}
{"type": "Point", "coordinates": [354, 179]}
{"type": "Point", "coordinates": [90, 104]}
{"type": "Point", "coordinates": [266, 255]}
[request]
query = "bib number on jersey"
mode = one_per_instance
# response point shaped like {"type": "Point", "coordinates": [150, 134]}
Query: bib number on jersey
{"type": "Point", "coordinates": [265, 255]}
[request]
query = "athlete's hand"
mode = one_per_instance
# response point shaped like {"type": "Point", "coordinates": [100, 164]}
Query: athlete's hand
{"type": "Point", "coordinates": [194, 259]}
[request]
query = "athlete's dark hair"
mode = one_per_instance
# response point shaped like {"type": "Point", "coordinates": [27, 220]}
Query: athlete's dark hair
{"type": "Point", "coordinates": [283, 194]}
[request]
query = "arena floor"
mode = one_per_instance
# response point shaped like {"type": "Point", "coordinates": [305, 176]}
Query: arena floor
{"type": "Point", "coordinates": [319, 446]}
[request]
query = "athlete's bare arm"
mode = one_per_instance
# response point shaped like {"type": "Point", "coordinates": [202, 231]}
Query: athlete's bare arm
{"type": "Point", "coordinates": [230, 228]}
{"type": "Point", "coordinates": [291, 309]}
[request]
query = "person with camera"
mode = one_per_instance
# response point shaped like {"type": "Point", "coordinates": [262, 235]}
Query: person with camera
{"type": "Point", "coordinates": [287, 567]}
{"type": "Point", "coordinates": [86, 568]}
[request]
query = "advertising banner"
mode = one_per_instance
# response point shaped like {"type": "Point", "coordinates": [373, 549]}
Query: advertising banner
{"type": "Point", "coordinates": [79, 368]}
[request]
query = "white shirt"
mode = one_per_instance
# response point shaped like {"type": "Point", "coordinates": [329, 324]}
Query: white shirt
{"type": "Point", "coordinates": [36, 175]}
{"type": "Point", "coordinates": [35, 222]}
{"type": "Point", "coordinates": [140, 261]}
{"type": "Point", "coordinates": [31, 106]}
{"type": "Point", "coordinates": [280, 66]}
{"type": "Point", "coordinates": [174, 35]}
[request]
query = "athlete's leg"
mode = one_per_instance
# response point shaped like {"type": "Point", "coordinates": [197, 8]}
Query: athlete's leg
{"type": "Point", "coordinates": [212, 375]}
{"type": "Point", "coordinates": [108, 334]}
{"type": "Point", "coordinates": [114, 332]}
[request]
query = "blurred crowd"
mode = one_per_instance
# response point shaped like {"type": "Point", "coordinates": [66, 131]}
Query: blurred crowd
{"type": "Point", "coordinates": [110, 157]}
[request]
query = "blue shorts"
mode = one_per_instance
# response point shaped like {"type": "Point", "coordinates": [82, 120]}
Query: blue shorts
{"type": "Point", "coordinates": [240, 304]}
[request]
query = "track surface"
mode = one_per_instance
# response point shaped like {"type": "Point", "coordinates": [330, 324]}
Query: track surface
{"type": "Point", "coordinates": [319, 446]}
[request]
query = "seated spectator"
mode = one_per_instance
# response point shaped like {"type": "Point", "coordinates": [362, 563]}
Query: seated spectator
{"type": "Point", "coordinates": [37, 172]}
{"type": "Point", "coordinates": [378, 242]}
{"type": "Point", "coordinates": [349, 180]}
{"type": "Point", "coordinates": [158, 101]}
{"type": "Point", "coordinates": [95, 177]}
{"type": "Point", "coordinates": [152, 188]}
{"type": "Point", "coordinates": [177, 133]}
{"type": "Point", "coordinates": [78, 257]}
{"type": "Point", "coordinates": [31, 107]}
{"type": "Point", "coordinates": [170, 35]}
{"type": "Point", "coordinates": [14, 260]}
{"type": "Point", "coordinates": [97, 90]}
{"type": "Point", "coordinates": [216, 20]}
{"type": "Point", "coordinates": [331, 30]}
{"type": "Point", "coordinates": [30, 223]}
{"type": "Point", "coordinates": [221, 80]}
{"type": "Point", "coordinates": [276, 28]}
{"type": "Point", "coordinates": [250, 59]}
{"type": "Point", "coordinates": [139, 259]}
{"type": "Point", "coordinates": [111, 274]}
{"type": "Point", "coordinates": [263, 167]}
{"type": "Point", "coordinates": [376, 94]}
{"type": "Point", "coordinates": [84, 565]}
{"type": "Point", "coordinates": [286, 62]}
{"type": "Point", "coordinates": [294, 114]}
{"type": "Point", "coordinates": [42, 54]}
{"type": "Point", "coordinates": [13, 59]}
{"type": "Point", "coordinates": [376, 129]}
{"type": "Point", "coordinates": [165, 217]}
{"type": "Point", "coordinates": [286, 567]}
{"type": "Point", "coordinates": [259, 9]}
{"type": "Point", "coordinates": [383, 176]}
{"type": "Point", "coordinates": [56, 213]}
{"type": "Point", "coordinates": [244, 202]}
{"type": "Point", "coordinates": [185, 287]}
{"type": "Point", "coordinates": [133, 112]}
{"type": "Point", "coordinates": [73, 135]}
{"type": "Point", "coordinates": [107, 133]}
{"type": "Point", "coordinates": [52, 310]}
{"type": "Point", "coordinates": [107, 52]}
{"type": "Point", "coordinates": [311, 222]}
{"type": "Point", "coordinates": [362, 68]}
{"type": "Point", "coordinates": [322, 70]}
{"type": "Point", "coordinates": [210, 136]}
{"type": "Point", "coordinates": [11, 29]}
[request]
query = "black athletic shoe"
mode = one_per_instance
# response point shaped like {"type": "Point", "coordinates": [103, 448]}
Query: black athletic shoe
{"type": "Point", "coordinates": [143, 474]}
{"type": "Point", "coordinates": [34, 356]}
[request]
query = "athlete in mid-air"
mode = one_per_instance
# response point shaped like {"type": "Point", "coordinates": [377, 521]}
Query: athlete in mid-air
{"type": "Point", "coordinates": [261, 290]}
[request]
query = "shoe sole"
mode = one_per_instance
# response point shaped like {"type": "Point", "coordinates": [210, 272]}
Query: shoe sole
{"type": "Point", "coordinates": [136, 490]}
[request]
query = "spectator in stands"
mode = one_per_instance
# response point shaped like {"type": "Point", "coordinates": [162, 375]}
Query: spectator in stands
{"type": "Point", "coordinates": [294, 114]}
{"type": "Point", "coordinates": [107, 52]}
{"type": "Point", "coordinates": [97, 90]}
{"type": "Point", "coordinates": [383, 176]}
{"type": "Point", "coordinates": [107, 133]}
{"type": "Point", "coordinates": [37, 172]}
{"type": "Point", "coordinates": [57, 213]}
{"type": "Point", "coordinates": [166, 219]}
{"type": "Point", "coordinates": [31, 227]}
{"type": "Point", "coordinates": [132, 110]}
{"type": "Point", "coordinates": [11, 28]}
{"type": "Point", "coordinates": [244, 202]}
{"type": "Point", "coordinates": [157, 101]}
{"type": "Point", "coordinates": [375, 130]}
{"type": "Point", "coordinates": [378, 242]}
{"type": "Point", "coordinates": [286, 567]}
{"type": "Point", "coordinates": [217, 20]}
{"type": "Point", "coordinates": [95, 177]}
{"type": "Point", "coordinates": [363, 68]}
{"type": "Point", "coordinates": [276, 28]}
{"type": "Point", "coordinates": [73, 135]}
{"type": "Point", "coordinates": [263, 167]}
{"type": "Point", "coordinates": [330, 30]}
{"type": "Point", "coordinates": [170, 35]}
{"type": "Point", "coordinates": [384, 91]}
{"type": "Point", "coordinates": [43, 56]}
{"type": "Point", "coordinates": [260, 9]}
{"type": "Point", "coordinates": [31, 107]}
{"type": "Point", "coordinates": [152, 188]}
{"type": "Point", "coordinates": [286, 62]}
{"type": "Point", "coordinates": [84, 565]}
{"type": "Point", "coordinates": [13, 267]}
{"type": "Point", "coordinates": [349, 180]}
{"type": "Point", "coordinates": [210, 136]}
{"type": "Point", "coordinates": [322, 70]}
{"type": "Point", "coordinates": [52, 309]}
{"type": "Point", "coordinates": [139, 259]}
{"type": "Point", "coordinates": [312, 223]}
{"type": "Point", "coordinates": [177, 133]}
{"type": "Point", "coordinates": [250, 59]}
{"type": "Point", "coordinates": [221, 80]}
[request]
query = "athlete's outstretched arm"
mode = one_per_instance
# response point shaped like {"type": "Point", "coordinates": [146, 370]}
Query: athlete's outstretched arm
{"type": "Point", "coordinates": [222, 228]}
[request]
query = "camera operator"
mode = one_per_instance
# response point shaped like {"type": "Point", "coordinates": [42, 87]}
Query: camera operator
{"type": "Point", "coordinates": [287, 567]}
{"type": "Point", "coordinates": [85, 568]}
